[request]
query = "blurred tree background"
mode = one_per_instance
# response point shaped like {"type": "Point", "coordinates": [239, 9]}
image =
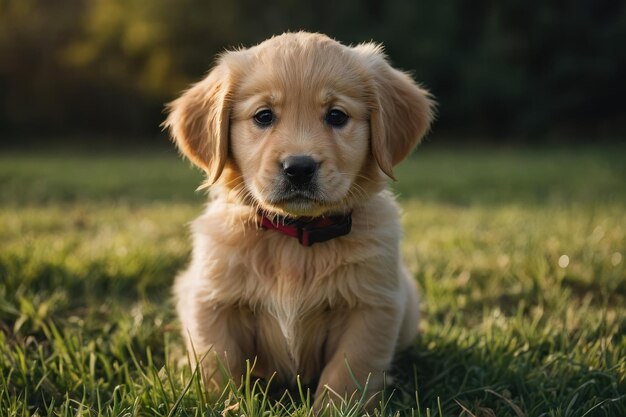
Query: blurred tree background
{"type": "Point", "coordinates": [515, 71]}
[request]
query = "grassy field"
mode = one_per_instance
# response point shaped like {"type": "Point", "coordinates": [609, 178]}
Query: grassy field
{"type": "Point", "coordinates": [519, 255]}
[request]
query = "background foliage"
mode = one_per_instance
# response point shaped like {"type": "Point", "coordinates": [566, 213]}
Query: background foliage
{"type": "Point", "coordinates": [506, 70]}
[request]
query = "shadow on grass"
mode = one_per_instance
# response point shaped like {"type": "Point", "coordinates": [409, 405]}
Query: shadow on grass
{"type": "Point", "coordinates": [500, 377]}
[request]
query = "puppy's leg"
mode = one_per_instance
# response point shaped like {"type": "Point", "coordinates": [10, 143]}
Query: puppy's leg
{"type": "Point", "coordinates": [365, 349]}
{"type": "Point", "coordinates": [221, 336]}
{"type": "Point", "coordinates": [221, 339]}
{"type": "Point", "coordinates": [228, 338]}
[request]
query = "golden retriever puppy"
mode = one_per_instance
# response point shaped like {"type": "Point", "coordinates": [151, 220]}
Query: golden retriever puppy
{"type": "Point", "coordinates": [296, 260]}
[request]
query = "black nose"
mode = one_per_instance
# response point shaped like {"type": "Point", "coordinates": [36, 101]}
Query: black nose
{"type": "Point", "coordinates": [299, 169]}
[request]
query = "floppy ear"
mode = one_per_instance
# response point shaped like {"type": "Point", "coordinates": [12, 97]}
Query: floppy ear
{"type": "Point", "coordinates": [401, 110]}
{"type": "Point", "coordinates": [198, 122]}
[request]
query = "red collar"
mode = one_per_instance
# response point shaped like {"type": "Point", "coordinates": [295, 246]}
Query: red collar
{"type": "Point", "coordinates": [309, 230]}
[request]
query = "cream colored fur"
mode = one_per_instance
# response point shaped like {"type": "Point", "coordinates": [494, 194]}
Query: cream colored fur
{"type": "Point", "coordinates": [251, 293]}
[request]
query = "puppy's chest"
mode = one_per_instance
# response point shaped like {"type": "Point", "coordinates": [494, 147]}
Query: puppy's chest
{"type": "Point", "coordinates": [292, 336]}
{"type": "Point", "coordinates": [293, 300]}
{"type": "Point", "coordinates": [291, 305]}
{"type": "Point", "coordinates": [295, 307]}
{"type": "Point", "coordinates": [296, 296]}
{"type": "Point", "coordinates": [290, 281]}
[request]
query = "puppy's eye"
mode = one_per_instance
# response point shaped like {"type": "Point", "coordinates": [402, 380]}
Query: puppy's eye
{"type": "Point", "coordinates": [264, 118]}
{"type": "Point", "coordinates": [336, 118]}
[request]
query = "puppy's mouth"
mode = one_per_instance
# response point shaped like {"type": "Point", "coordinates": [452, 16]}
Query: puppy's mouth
{"type": "Point", "coordinates": [295, 194]}
{"type": "Point", "coordinates": [299, 201]}
{"type": "Point", "coordinates": [297, 198]}
{"type": "Point", "coordinates": [279, 196]}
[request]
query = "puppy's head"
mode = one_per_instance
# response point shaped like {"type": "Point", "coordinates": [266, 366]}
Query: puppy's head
{"type": "Point", "coordinates": [300, 124]}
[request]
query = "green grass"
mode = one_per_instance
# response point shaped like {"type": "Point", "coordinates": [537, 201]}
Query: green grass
{"type": "Point", "coordinates": [519, 254]}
